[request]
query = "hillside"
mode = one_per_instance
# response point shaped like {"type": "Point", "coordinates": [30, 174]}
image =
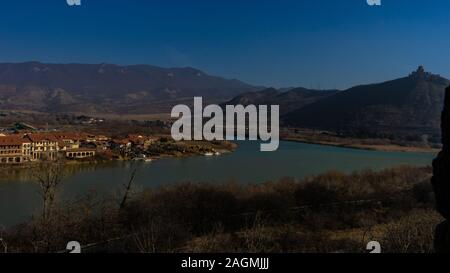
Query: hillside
{"type": "Point", "coordinates": [409, 106]}
{"type": "Point", "coordinates": [107, 87]}
{"type": "Point", "coordinates": [290, 100]}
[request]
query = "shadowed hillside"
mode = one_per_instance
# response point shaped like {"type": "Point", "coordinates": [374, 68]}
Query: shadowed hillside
{"type": "Point", "coordinates": [410, 105]}
{"type": "Point", "coordinates": [290, 100]}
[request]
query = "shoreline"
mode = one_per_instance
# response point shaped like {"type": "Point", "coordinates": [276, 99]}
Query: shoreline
{"type": "Point", "coordinates": [222, 150]}
{"type": "Point", "coordinates": [367, 147]}
{"type": "Point", "coordinates": [231, 148]}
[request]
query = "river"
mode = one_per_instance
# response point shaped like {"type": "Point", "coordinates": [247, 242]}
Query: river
{"type": "Point", "coordinates": [19, 198]}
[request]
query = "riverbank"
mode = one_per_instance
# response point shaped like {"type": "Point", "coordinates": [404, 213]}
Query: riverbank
{"type": "Point", "coordinates": [167, 149]}
{"type": "Point", "coordinates": [382, 145]}
{"type": "Point", "coordinates": [247, 164]}
{"type": "Point", "coordinates": [191, 148]}
{"type": "Point", "coordinates": [369, 147]}
{"type": "Point", "coordinates": [328, 213]}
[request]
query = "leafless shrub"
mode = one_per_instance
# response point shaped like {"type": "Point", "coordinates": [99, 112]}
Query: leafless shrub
{"type": "Point", "coordinates": [411, 234]}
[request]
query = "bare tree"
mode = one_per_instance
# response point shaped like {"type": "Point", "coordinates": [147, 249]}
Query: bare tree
{"type": "Point", "coordinates": [49, 176]}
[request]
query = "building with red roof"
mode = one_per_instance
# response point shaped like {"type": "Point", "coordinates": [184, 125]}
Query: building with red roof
{"type": "Point", "coordinates": [14, 149]}
{"type": "Point", "coordinates": [43, 146]}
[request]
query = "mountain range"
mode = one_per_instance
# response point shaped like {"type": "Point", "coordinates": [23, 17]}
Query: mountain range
{"type": "Point", "coordinates": [410, 105]}
{"type": "Point", "coordinates": [107, 88]}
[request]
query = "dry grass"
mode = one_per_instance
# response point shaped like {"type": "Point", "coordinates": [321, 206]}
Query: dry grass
{"type": "Point", "coordinates": [333, 212]}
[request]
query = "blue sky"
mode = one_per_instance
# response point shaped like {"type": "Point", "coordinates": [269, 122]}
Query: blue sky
{"type": "Point", "coordinates": [310, 43]}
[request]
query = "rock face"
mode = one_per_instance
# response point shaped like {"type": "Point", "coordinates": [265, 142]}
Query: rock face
{"type": "Point", "coordinates": [441, 180]}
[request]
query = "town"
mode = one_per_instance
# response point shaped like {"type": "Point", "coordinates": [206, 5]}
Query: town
{"type": "Point", "coordinates": [30, 145]}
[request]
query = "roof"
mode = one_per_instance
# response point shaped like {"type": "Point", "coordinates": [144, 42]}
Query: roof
{"type": "Point", "coordinates": [140, 138]}
{"type": "Point", "coordinates": [121, 141]}
{"type": "Point", "coordinates": [135, 138]}
{"type": "Point", "coordinates": [12, 140]}
{"type": "Point", "coordinates": [23, 125]}
{"type": "Point", "coordinates": [102, 137]}
{"type": "Point", "coordinates": [42, 137]}
{"type": "Point", "coordinates": [69, 135]}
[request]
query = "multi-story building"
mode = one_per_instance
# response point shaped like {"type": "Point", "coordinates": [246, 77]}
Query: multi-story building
{"type": "Point", "coordinates": [79, 153]}
{"type": "Point", "coordinates": [26, 149]}
{"type": "Point", "coordinates": [44, 146]}
{"type": "Point", "coordinates": [68, 141]}
{"type": "Point", "coordinates": [15, 149]}
{"type": "Point", "coordinates": [12, 149]}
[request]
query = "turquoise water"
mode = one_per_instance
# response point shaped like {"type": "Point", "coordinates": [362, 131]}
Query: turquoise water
{"type": "Point", "coordinates": [19, 198]}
